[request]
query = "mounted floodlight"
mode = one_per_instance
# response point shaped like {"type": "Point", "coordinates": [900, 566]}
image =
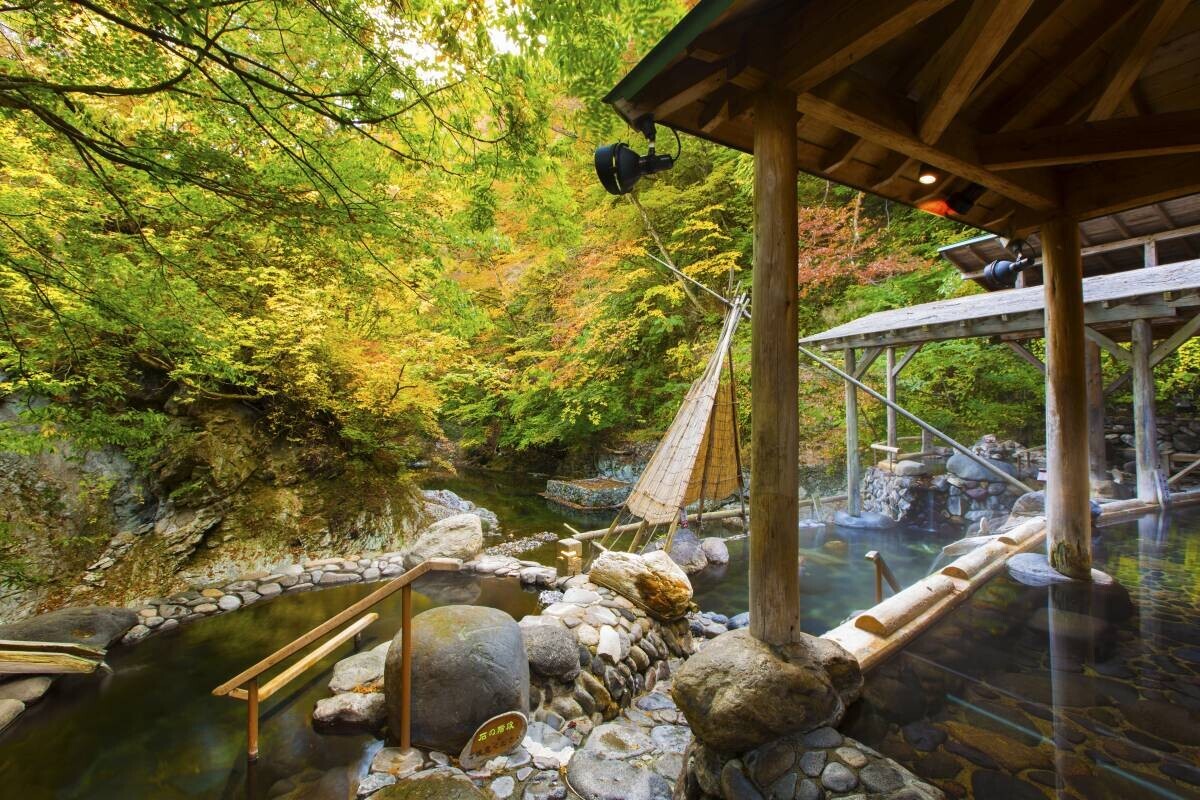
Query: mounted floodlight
{"type": "Point", "coordinates": [964, 200]}
{"type": "Point", "coordinates": [619, 167]}
{"type": "Point", "coordinates": [1002, 273]}
{"type": "Point", "coordinates": [927, 175]}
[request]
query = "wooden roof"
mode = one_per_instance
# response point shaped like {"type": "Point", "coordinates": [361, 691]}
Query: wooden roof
{"type": "Point", "coordinates": [1168, 296]}
{"type": "Point", "coordinates": [1111, 243]}
{"type": "Point", "coordinates": [1079, 106]}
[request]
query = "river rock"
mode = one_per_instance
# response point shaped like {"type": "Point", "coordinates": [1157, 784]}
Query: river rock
{"type": "Point", "coordinates": [968, 470]}
{"type": "Point", "coordinates": [871, 520]}
{"type": "Point", "coordinates": [442, 783]}
{"type": "Point", "coordinates": [9, 711]}
{"type": "Point", "coordinates": [95, 626]}
{"type": "Point", "coordinates": [687, 552]}
{"type": "Point", "coordinates": [653, 581]}
{"type": "Point", "coordinates": [1030, 504]}
{"type": "Point", "coordinates": [739, 693]}
{"type": "Point", "coordinates": [553, 651]}
{"type": "Point", "coordinates": [351, 710]}
{"type": "Point", "coordinates": [459, 536]}
{"type": "Point", "coordinates": [595, 777]}
{"type": "Point", "coordinates": [359, 670]}
{"type": "Point", "coordinates": [27, 690]}
{"type": "Point", "coordinates": [468, 665]}
{"type": "Point", "coordinates": [715, 550]}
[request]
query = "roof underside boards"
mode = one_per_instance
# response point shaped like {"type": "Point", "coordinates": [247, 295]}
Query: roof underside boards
{"type": "Point", "coordinates": [1168, 296]}
{"type": "Point", "coordinates": [1111, 243]}
{"type": "Point", "coordinates": [1083, 107]}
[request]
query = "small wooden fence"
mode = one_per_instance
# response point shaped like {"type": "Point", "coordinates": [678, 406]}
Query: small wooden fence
{"type": "Point", "coordinates": [245, 685]}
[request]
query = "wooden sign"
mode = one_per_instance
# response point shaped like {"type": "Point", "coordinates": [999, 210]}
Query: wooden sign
{"type": "Point", "coordinates": [498, 736]}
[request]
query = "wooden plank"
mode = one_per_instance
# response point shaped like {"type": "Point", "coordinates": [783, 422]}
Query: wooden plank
{"type": "Point", "coordinates": [70, 648]}
{"type": "Point", "coordinates": [1068, 516]}
{"type": "Point", "coordinates": [1087, 142]}
{"type": "Point", "coordinates": [774, 367]}
{"type": "Point", "coordinates": [854, 105]}
{"type": "Point", "coordinates": [336, 621]}
{"type": "Point", "coordinates": [20, 662]}
{"type": "Point", "coordinates": [831, 37]}
{"type": "Point", "coordinates": [1153, 23]}
{"type": "Point", "coordinates": [1115, 350]}
{"type": "Point", "coordinates": [950, 77]}
{"type": "Point", "coordinates": [315, 656]}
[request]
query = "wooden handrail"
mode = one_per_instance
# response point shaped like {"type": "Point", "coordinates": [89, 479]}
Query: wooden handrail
{"type": "Point", "coordinates": [882, 572]}
{"type": "Point", "coordinates": [296, 645]}
{"type": "Point", "coordinates": [244, 685]}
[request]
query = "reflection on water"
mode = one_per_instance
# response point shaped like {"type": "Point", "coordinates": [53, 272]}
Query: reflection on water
{"type": "Point", "coordinates": [1058, 692]}
{"type": "Point", "coordinates": [835, 577]}
{"type": "Point", "coordinates": [154, 730]}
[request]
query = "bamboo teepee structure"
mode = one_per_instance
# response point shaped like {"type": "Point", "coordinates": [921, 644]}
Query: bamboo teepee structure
{"type": "Point", "coordinates": [699, 458]}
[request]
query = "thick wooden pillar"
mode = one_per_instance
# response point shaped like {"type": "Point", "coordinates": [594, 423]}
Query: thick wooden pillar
{"type": "Point", "coordinates": [853, 467]}
{"type": "Point", "coordinates": [1097, 460]}
{"type": "Point", "coordinates": [774, 375]}
{"type": "Point", "coordinates": [1145, 420]}
{"type": "Point", "coordinates": [1068, 512]}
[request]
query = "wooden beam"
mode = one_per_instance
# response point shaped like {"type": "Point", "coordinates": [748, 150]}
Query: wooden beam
{"type": "Point", "coordinates": [774, 367]}
{"type": "Point", "coordinates": [1025, 355]}
{"type": "Point", "coordinates": [866, 361]}
{"type": "Point", "coordinates": [1068, 514]}
{"type": "Point", "coordinates": [891, 396]}
{"type": "Point", "coordinates": [1097, 448]}
{"type": "Point", "coordinates": [1083, 143]}
{"type": "Point", "coordinates": [716, 110]}
{"type": "Point", "coordinates": [1042, 17]}
{"type": "Point", "coordinates": [1113, 186]}
{"type": "Point", "coordinates": [1172, 343]}
{"type": "Point", "coordinates": [949, 78]}
{"type": "Point", "coordinates": [26, 662]}
{"type": "Point", "coordinates": [1145, 423]}
{"type": "Point", "coordinates": [1138, 44]}
{"type": "Point", "coordinates": [1115, 350]}
{"type": "Point", "coordinates": [853, 467]}
{"type": "Point", "coordinates": [831, 37]}
{"type": "Point", "coordinates": [682, 84]}
{"type": "Point", "coordinates": [908, 356]}
{"type": "Point", "coordinates": [845, 148]}
{"type": "Point", "coordinates": [856, 106]}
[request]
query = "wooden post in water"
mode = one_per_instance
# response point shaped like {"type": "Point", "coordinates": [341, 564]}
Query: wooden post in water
{"type": "Point", "coordinates": [1068, 512]}
{"type": "Point", "coordinates": [406, 668]}
{"type": "Point", "coordinates": [1097, 460]}
{"type": "Point", "coordinates": [1145, 422]}
{"type": "Point", "coordinates": [853, 467]}
{"type": "Point", "coordinates": [252, 720]}
{"type": "Point", "coordinates": [774, 375]}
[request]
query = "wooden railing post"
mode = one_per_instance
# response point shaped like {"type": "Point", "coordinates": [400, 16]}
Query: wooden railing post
{"type": "Point", "coordinates": [406, 670]}
{"type": "Point", "coordinates": [252, 720]}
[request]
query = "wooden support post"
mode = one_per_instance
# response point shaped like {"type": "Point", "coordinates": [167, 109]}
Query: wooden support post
{"type": "Point", "coordinates": [1097, 460]}
{"type": "Point", "coordinates": [1068, 512]}
{"type": "Point", "coordinates": [406, 668]}
{"type": "Point", "coordinates": [891, 395]}
{"type": "Point", "coordinates": [774, 375]}
{"type": "Point", "coordinates": [570, 557]}
{"type": "Point", "coordinates": [252, 720]}
{"type": "Point", "coordinates": [853, 467]}
{"type": "Point", "coordinates": [1145, 422]}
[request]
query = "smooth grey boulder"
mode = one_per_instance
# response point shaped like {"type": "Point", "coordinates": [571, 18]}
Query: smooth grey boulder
{"type": "Point", "coordinates": [968, 470]}
{"type": "Point", "coordinates": [595, 777]}
{"type": "Point", "coordinates": [686, 551]}
{"type": "Point", "coordinates": [95, 626]}
{"type": "Point", "coordinates": [715, 550]}
{"type": "Point", "coordinates": [459, 536]}
{"type": "Point", "coordinates": [553, 651]}
{"type": "Point", "coordinates": [351, 710]}
{"type": "Point", "coordinates": [468, 665]}
{"type": "Point", "coordinates": [1030, 504]}
{"type": "Point", "coordinates": [360, 670]}
{"type": "Point", "coordinates": [441, 783]}
{"type": "Point", "coordinates": [26, 689]}
{"type": "Point", "coordinates": [871, 520]}
{"type": "Point", "coordinates": [739, 693]}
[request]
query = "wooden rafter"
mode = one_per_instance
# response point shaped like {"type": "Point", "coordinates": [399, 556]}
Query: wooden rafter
{"type": "Point", "coordinates": [1117, 185]}
{"type": "Point", "coordinates": [1105, 140]}
{"type": "Point", "coordinates": [951, 75]}
{"type": "Point", "coordinates": [1153, 22]}
{"type": "Point", "coordinates": [842, 151]}
{"type": "Point", "coordinates": [683, 84]}
{"type": "Point", "coordinates": [832, 36]}
{"type": "Point", "coordinates": [856, 106]}
{"type": "Point", "coordinates": [1040, 18]}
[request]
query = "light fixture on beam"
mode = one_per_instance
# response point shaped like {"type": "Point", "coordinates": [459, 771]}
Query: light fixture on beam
{"type": "Point", "coordinates": [1002, 273]}
{"type": "Point", "coordinates": [927, 175]}
{"type": "Point", "coordinates": [962, 201]}
{"type": "Point", "coordinates": [619, 167]}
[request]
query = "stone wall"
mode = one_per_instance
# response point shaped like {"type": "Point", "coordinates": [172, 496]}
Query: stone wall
{"type": "Point", "coordinates": [1178, 432]}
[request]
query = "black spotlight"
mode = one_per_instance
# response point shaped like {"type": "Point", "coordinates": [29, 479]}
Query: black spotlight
{"type": "Point", "coordinates": [1002, 274]}
{"type": "Point", "coordinates": [964, 200]}
{"type": "Point", "coordinates": [619, 167]}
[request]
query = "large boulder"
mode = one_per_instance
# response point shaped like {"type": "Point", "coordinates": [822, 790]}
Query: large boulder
{"type": "Point", "coordinates": [553, 651]}
{"type": "Point", "coordinates": [958, 464]}
{"type": "Point", "coordinates": [715, 550]}
{"type": "Point", "coordinates": [459, 536]}
{"type": "Point", "coordinates": [361, 672]}
{"type": "Point", "coordinates": [95, 626]}
{"type": "Point", "coordinates": [686, 551]}
{"type": "Point", "coordinates": [739, 693]}
{"type": "Point", "coordinates": [653, 581]}
{"type": "Point", "coordinates": [468, 665]}
{"type": "Point", "coordinates": [441, 783]}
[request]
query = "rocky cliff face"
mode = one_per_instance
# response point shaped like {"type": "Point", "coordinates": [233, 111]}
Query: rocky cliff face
{"type": "Point", "coordinates": [224, 497]}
